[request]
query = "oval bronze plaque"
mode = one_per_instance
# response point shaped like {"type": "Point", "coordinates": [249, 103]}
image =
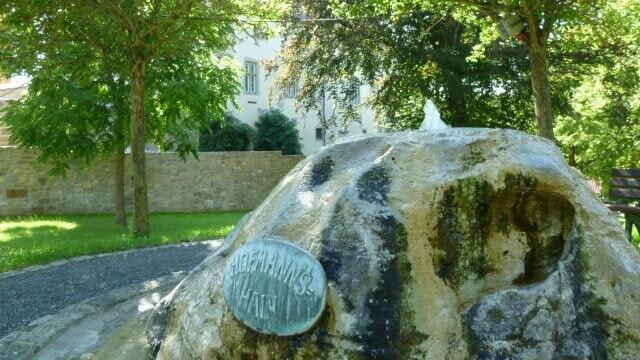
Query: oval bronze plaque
{"type": "Point", "coordinates": [275, 287]}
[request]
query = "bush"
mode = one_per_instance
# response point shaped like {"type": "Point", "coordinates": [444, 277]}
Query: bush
{"type": "Point", "coordinates": [277, 132]}
{"type": "Point", "coordinates": [228, 135]}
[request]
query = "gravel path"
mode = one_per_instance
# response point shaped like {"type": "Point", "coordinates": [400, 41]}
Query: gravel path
{"type": "Point", "coordinates": [29, 295]}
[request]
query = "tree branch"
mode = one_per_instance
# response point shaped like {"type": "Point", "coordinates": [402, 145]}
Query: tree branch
{"type": "Point", "coordinates": [492, 7]}
{"type": "Point", "coordinates": [546, 29]}
{"type": "Point", "coordinates": [160, 26]}
{"type": "Point", "coordinates": [112, 11]}
{"type": "Point", "coordinates": [88, 36]}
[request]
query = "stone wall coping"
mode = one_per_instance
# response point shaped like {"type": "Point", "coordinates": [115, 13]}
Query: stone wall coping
{"type": "Point", "coordinates": [168, 153]}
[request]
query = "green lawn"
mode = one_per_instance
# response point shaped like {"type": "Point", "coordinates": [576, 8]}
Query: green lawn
{"type": "Point", "coordinates": [30, 240]}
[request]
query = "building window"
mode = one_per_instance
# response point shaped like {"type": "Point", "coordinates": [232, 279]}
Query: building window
{"type": "Point", "coordinates": [355, 88]}
{"type": "Point", "coordinates": [319, 134]}
{"type": "Point", "coordinates": [250, 77]}
{"type": "Point", "coordinates": [293, 91]}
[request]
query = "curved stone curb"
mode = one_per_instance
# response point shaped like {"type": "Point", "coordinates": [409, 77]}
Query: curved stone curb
{"type": "Point", "coordinates": [78, 329]}
{"type": "Point", "coordinates": [29, 269]}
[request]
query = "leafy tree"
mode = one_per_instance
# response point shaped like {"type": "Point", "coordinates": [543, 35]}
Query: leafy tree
{"type": "Point", "coordinates": [277, 132]}
{"type": "Point", "coordinates": [79, 112]}
{"type": "Point", "coordinates": [408, 56]}
{"type": "Point", "coordinates": [228, 135]}
{"type": "Point", "coordinates": [545, 22]}
{"type": "Point", "coordinates": [133, 38]}
{"type": "Point", "coordinates": [74, 112]}
{"type": "Point", "coordinates": [444, 42]}
{"type": "Point", "coordinates": [454, 55]}
{"type": "Point", "coordinates": [601, 131]}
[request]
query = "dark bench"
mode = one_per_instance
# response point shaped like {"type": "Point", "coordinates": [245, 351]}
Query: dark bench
{"type": "Point", "coordinates": [625, 187]}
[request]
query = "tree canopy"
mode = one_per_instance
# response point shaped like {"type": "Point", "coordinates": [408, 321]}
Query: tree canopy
{"type": "Point", "coordinates": [584, 55]}
{"type": "Point", "coordinates": [602, 130]}
{"type": "Point", "coordinates": [163, 52]}
{"type": "Point", "coordinates": [407, 57]}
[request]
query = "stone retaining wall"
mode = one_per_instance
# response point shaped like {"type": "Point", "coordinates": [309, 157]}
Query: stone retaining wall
{"type": "Point", "coordinates": [218, 181]}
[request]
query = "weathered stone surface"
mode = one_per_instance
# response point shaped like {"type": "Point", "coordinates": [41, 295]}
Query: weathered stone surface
{"type": "Point", "coordinates": [455, 244]}
{"type": "Point", "coordinates": [16, 193]}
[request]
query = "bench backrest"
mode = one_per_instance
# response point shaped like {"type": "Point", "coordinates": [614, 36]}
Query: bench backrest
{"type": "Point", "coordinates": [625, 184]}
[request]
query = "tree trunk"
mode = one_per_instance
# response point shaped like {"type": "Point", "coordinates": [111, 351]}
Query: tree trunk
{"type": "Point", "coordinates": [541, 92]}
{"type": "Point", "coordinates": [572, 156]}
{"type": "Point", "coordinates": [454, 94]}
{"type": "Point", "coordinates": [138, 140]}
{"type": "Point", "coordinates": [119, 209]}
{"type": "Point", "coordinates": [456, 102]}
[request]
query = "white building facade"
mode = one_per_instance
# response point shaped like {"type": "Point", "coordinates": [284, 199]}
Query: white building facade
{"type": "Point", "coordinates": [255, 96]}
{"type": "Point", "coordinates": [10, 89]}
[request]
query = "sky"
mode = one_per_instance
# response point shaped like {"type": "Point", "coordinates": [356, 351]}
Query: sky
{"type": "Point", "coordinates": [14, 82]}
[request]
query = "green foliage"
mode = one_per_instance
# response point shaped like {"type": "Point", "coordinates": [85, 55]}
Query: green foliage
{"type": "Point", "coordinates": [408, 54]}
{"type": "Point", "coordinates": [163, 50]}
{"type": "Point", "coordinates": [78, 106]}
{"type": "Point", "coordinates": [228, 135]}
{"type": "Point", "coordinates": [603, 130]}
{"type": "Point", "coordinates": [183, 100]}
{"type": "Point", "coordinates": [69, 118]}
{"type": "Point", "coordinates": [277, 132]}
{"type": "Point", "coordinates": [452, 52]}
{"type": "Point", "coordinates": [31, 240]}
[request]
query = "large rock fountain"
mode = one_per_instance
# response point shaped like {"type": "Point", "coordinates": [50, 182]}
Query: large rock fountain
{"type": "Point", "coordinates": [452, 244]}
